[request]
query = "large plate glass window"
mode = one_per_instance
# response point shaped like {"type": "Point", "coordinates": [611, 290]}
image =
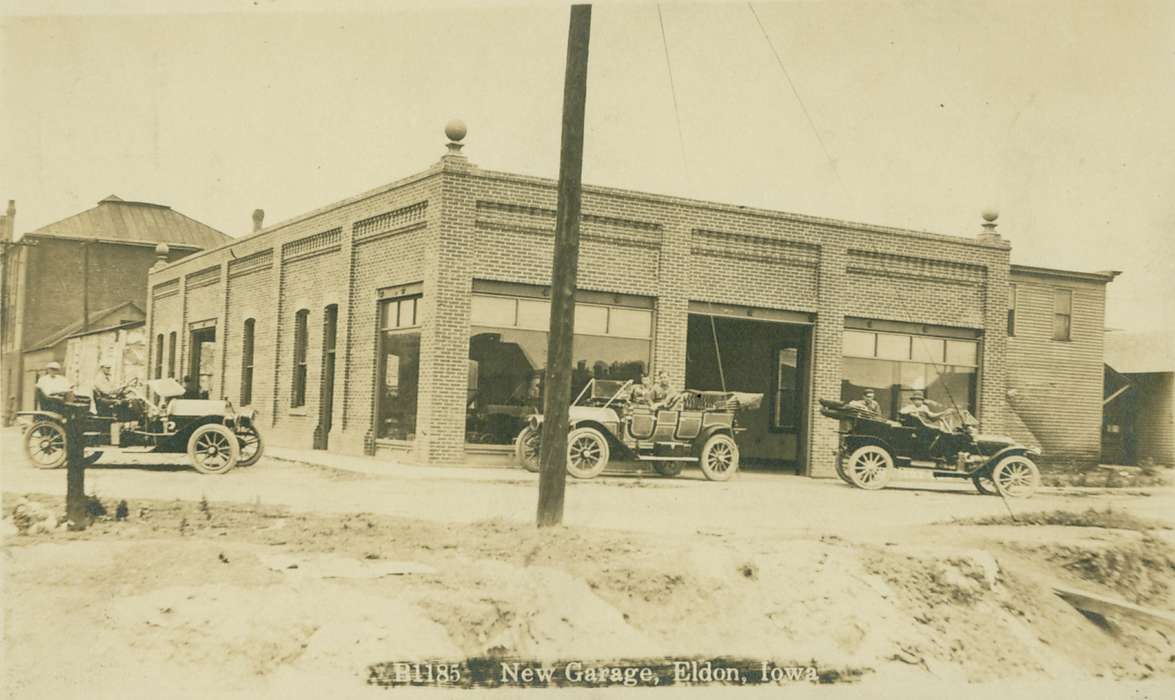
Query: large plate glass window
{"type": "Point", "coordinates": [398, 367]}
{"type": "Point", "coordinates": [508, 351]}
{"type": "Point", "coordinates": [895, 365]}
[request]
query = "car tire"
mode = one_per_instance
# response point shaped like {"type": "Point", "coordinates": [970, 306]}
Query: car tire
{"type": "Point", "coordinates": [869, 467]}
{"type": "Point", "coordinates": [587, 453]}
{"type": "Point", "coordinates": [1016, 476]}
{"type": "Point", "coordinates": [45, 444]}
{"type": "Point", "coordinates": [213, 449]}
{"type": "Point", "coordinates": [252, 450]}
{"type": "Point", "coordinates": [840, 470]}
{"type": "Point", "coordinates": [984, 485]}
{"type": "Point", "coordinates": [719, 457]}
{"type": "Point", "coordinates": [526, 449]}
{"type": "Point", "coordinates": [668, 468]}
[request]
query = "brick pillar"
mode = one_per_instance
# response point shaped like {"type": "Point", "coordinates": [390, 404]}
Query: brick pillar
{"type": "Point", "coordinates": [278, 330]}
{"type": "Point", "coordinates": [827, 338]}
{"type": "Point", "coordinates": [444, 342]}
{"type": "Point", "coordinates": [672, 312]}
{"type": "Point", "coordinates": [339, 440]}
{"type": "Point", "coordinates": [222, 333]}
{"type": "Point", "coordinates": [993, 369]}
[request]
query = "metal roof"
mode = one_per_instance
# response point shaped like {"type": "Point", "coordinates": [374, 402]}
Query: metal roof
{"type": "Point", "coordinates": [121, 221]}
{"type": "Point", "coordinates": [97, 317]}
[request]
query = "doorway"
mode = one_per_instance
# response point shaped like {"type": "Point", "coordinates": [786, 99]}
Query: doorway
{"type": "Point", "coordinates": [201, 362]}
{"type": "Point", "coordinates": [763, 357]}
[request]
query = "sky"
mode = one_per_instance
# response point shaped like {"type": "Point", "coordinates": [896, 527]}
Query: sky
{"type": "Point", "coordinates": [911, 114]}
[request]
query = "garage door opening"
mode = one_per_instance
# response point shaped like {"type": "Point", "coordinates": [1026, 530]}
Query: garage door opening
{"type": "Point", "coordinates": [763, 357]}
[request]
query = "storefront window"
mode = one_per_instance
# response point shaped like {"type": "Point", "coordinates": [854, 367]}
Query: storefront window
{"type": "Point", "coordinates": [945, 370]}
{"type": "Point", "coordinates": [508, 351]}
{"type": "Point", "coordinates": [399, 368]}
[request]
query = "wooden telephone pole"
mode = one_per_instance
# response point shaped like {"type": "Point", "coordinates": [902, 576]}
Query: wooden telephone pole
{"type": "Point", "coordinates": [553, 456]}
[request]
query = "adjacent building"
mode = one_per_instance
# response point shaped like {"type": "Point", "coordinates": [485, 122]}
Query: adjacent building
{"type": "Point", "coordinates": [1139, 426]}
{"type": "Point", "coordinates": [411, 320]}
{"type": "Point", "coordinates": [83, 272]}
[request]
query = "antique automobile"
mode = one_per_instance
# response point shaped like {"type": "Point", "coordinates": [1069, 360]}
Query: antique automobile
{"type": "Point", "coordinates": [215, 436]}
{"type": "Point", "coordinates": [607, 422]}
{"type": "Point", "coordinates": [872, 447]}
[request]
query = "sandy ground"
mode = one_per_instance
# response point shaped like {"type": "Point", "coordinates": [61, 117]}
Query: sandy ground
{"type": "Point", "coordinates": [294, 580]}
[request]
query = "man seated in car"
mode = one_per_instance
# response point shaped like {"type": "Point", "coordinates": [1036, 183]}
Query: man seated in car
{"type": "Point", "coordinates": [920, 407]}
{"type": "Point", "coordinates": [103, 384]}
{"type": "Point", "coordinates": [867, 402]}
{"type": "Point", "coordinates": [53, 382]}
{"type": "Point", "coordinates": [659, 394]}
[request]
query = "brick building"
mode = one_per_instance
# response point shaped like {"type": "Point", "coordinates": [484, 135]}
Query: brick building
{"type": "Point", "coordinates": [411, 320]}
{"type": "Point", "coordinates": [69, 276]}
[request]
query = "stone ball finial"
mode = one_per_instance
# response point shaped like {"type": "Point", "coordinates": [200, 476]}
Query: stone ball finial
{"type": "Point", "coordinates": [455, 130]}
{"type": "Point", "coordinates": [990, 215]}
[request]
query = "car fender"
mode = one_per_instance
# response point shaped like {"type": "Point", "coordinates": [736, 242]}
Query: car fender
{"type": "Point", "coordinates": [1008, 452]}
{"type": "Point", "coordinates": [42, 415]}
{"type": "Point", "coordinates": [614, 443]}
{"type": "Point", "coordinates": [708, 432]}
{"type": "Point", "coordinates": [853, 442]}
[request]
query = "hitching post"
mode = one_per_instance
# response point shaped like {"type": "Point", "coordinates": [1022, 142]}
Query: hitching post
{"type": "Point", "coordinates": [553, 455]}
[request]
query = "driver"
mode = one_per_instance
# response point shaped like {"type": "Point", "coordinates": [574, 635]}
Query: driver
{"type": "Point", "coordinates": [918, 406]}
{"type": "Point", "coordinates": [660, 392]}
{"type": "Point", "coordinates": [103, 385]}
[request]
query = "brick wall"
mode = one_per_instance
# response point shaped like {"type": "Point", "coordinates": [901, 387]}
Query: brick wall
{"type": "Point", "coordinates": [456, 223]}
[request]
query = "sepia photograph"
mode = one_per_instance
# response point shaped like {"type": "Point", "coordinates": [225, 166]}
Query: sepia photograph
{"type": "Point", "coordinates": [808, 349]}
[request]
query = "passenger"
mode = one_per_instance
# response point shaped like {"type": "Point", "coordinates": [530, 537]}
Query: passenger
{"type": "Point", "coordinates": [191, 390]}
{"type": "Point", "coordinates": [867, 402]}
{"type": "Point", "coordinates": [53, 382]}
{"type": "Point", "coordinates": [660, 392]}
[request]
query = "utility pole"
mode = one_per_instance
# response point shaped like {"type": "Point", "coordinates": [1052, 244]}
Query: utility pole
{"type": "Point", "coordinates": [85, 286]}
{"type": "Point", "coordinates": [553, 456]}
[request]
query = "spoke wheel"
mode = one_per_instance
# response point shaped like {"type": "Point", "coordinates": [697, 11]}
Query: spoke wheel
{"type": "Point", "coordinates": [1016, 477]}
{"type": "Point", "coordinates": [526, 449]}
{"type": "Point", "coordinates": [587, 453]}
{"type": "Point", "coordinates": [251, 447]}
{"type": "Point", "coordinates": [719, 458]}
{"type": "Point", "coordinates": [869, 467]}
{"type": "Point", "coordinates": [213, 449]}
{"type": "Point", "coordinates": [668, 468]}
{"type": "Point", "coordinates": [840, 470]}
{"type": "Point", "coordinates": [984, 485]}
{"type": "Point", "coordinates": [44, 445]}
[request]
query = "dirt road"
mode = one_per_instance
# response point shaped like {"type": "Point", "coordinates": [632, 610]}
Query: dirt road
{"type": "Point", "coordinates": [295, 581]}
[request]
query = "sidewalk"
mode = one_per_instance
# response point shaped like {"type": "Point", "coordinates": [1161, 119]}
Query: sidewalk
{"type": "Point", "coordinates": [387, 467]}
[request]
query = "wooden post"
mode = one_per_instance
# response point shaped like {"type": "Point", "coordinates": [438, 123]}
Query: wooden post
{"type": "Point", "coordinates": [553, 476]}
{"type": "Point", "coordinates": [75, 477]}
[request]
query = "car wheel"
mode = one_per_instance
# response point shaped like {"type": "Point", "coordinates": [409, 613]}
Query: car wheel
{"type": "Point", "coordinates": [840, 470]}
{"type": "Point", "coordinates": [668, 468]}
{"type": "Point", "coordinates": [251, 447]}
{"type": "Point", "coordinates": [1016, 477]}
{"type": "Point", "coordinates": [984, 485]}
{"type": "Point", "coordinates": [213, 449]}
{"type": "Point", "coordinates": [526, 449]}
{"type": "Point", "coordinates": [719, 458]}
{"type": "Point", "coordinates": [587, 453]}
{"type": "Point", "coordinates": [44, 444]}
{"type": "Point", "coordinates": [869, 467]}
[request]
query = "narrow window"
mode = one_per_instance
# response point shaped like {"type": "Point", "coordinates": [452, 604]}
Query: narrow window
{"type": "Point", "coordinates": [1062, 314]}
{"type": "Point", "coordinates": [247, 363]}
{"type": "Point", "coordinates": [301, 338]}
{"type": "Point", "coordinates": [159, 356]}
{"type": "Point", "coordinates": [1012, 310]}
{"type": "Point", "coordinates": [171, 355]}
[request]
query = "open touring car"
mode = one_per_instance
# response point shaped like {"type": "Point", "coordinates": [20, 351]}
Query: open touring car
{"type": "Point", "coordinates": [215, 436]}
{"type": "Point", "coordinates": [606, 423]}
{"type": "Point", "coordinates": [872, 447]}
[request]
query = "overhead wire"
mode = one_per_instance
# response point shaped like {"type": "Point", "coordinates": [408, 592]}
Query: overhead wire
{"type": "Point", "coordinates": [673, 92]}
{"type": "Point", "coordinates": [795, 91]}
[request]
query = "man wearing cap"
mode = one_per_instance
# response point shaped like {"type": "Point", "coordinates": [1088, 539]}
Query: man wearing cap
{"type": "Point", "coordinates": [919, 407]}
{"type": "Point", "coordinates": [53, 381]}
{"type": "Point", "coordinates": [103, 385]}
{"type": "Point", "coordinates": [867, 402]}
